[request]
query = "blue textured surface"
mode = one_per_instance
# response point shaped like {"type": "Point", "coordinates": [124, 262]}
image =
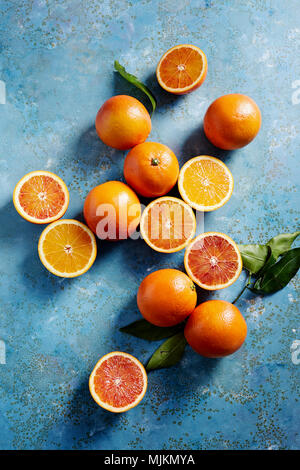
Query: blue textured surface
{"type": "Point", "coordinates": [57, 63]}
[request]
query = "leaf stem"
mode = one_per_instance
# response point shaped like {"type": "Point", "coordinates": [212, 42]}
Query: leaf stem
{"type": "Point", "coordinates": [243, 290]}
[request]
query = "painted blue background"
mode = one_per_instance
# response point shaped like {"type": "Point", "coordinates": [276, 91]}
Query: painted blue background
{"type": "Point", "coordinates": [57, 63]}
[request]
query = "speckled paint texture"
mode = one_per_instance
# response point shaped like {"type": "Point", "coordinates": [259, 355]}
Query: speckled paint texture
{"type": "Point", "coordinates": [56, 63]}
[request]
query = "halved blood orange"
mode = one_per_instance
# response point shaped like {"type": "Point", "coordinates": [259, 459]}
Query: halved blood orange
{"type": "Point", "coordinates": [213, 261]}
{"type": "Point", "coordinates": [168, 224]}
{"type": "Point", "coordinates": [41, 197]}
{"type": "Point", "coordinates": [118, 382]}
{"type": "Point", "coordinates": [182, 69]}
{"type": "Point", "coordinates": [205, 183]}
{"type": "Point", "coordinates": [67, 248]}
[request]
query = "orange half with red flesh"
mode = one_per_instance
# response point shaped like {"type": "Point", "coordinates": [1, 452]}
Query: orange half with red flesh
{"type": "Point", "coordinates": [213, 261]}
{"type": "Point", "coordinates": [168, 224]}
{"type": "Point", "coordinates": [41, 197]}
{"type": "Point", "coordinates": [118, 382]}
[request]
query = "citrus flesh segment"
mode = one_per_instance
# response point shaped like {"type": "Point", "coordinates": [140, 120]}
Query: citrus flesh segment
{"type": "Point", "coordinates": [168, 224]}
{"type": "Point", "coordinates": [41, 197]}
{"type": "Point", "coordinates": [205, 183]}
{"type": "Point", "coordinates": [118, 382]}
{"type": "Point", "coordinates": [67, 248]}
{"type": "Point", "coordinates": [182, 69]}
{"type": "Point", "coordinates": [213, 261]}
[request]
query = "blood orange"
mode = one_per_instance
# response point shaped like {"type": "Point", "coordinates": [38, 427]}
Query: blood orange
{"type": "Point", "coordinates": [168, 224]}
{"type": "Point", "coordinates": [182, 69]}
{"type": "Point", "coordinates": [123, 122]}
{"type": "Point", "coordinates": [166, 297]}
{"type": "Point", "coordinates": [216, 328]}
{"type": "Point", "coordinates": [118, 382]}
{"type": "Point", "coordinates": [232, 121]}
{"type": "Point", "coordinates": [41, 197]}
{"type": "Point", "coordinates": [213, 261]}
{"type": "Point", "coordinates": [112, 210]}
{"type": "Point", "coordinates": [151, 169]}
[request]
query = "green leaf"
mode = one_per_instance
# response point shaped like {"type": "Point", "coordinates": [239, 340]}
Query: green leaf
{"type": "Point", "coordinates": [168, 353]}
{"type": "Point", "coordinates": [282, 243]}
{"type": "Point", "coordinates": [145, 330]}
{"type": "Point", "coordinates": [253, 256]}
{"type": "Point", "coordinates": [134, 81]}
{"type": "Point", "coordinates": [269, 262]}
{"type": "Point", "coordinates": [279, 275]}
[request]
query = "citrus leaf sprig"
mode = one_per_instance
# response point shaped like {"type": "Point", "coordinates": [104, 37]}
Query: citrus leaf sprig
{"type": "Point", "coordinates": [169, 352]}
{"type": "Point", "coordinates": [145, 330]}
{"type": "Point", "coordinates": [136, 82]}
{"type": "Point", "coordinates": [278, 275]}
{"type": "Point", "coordinates": [262, 262]}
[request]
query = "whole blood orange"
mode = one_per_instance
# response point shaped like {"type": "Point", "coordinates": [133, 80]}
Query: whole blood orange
{"type": "Point", "coordinates": [123, 122]}
{"type": "Point", "coordinates": [232, 121]}
{"type": "Point", "coordinates": [112, 210]}
{"type": "Point", "coordinates": [216, 328]}
{"type": "Point", "coordinates": [151, 169]}
{"type": "Point", "coordinates": [166, 297]}
{"type": "Point", "coordinates": [205, 183]}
